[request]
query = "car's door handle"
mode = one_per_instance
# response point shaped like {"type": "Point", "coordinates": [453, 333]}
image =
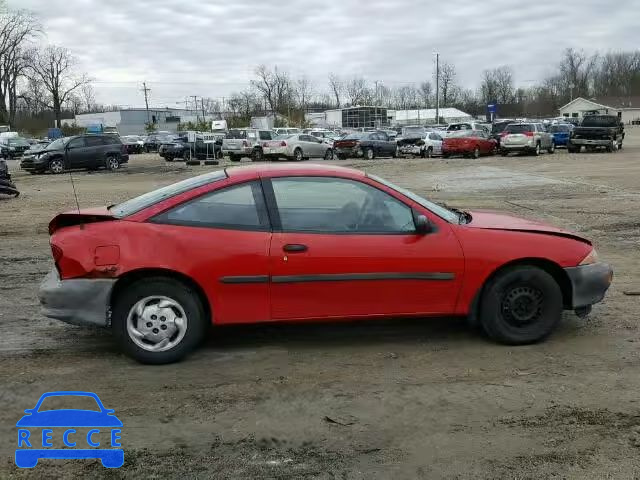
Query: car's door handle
{"type": "Point", "coordinates": [295, 248]}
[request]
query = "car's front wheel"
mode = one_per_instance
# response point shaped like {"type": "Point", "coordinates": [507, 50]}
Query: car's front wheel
{"type": "Point", "coordinates": [521, 305]}
{"type": "Point", "coordinates": [158, 320]}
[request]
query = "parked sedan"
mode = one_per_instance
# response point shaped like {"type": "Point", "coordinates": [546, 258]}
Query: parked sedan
{"type": "Point", "coordinates": [365, 145]}
{"type": "Point", "coordinates": [297, 147]}
{"type": "Point", "coordinates": [468, 143]}
{"type": "Point", "coordinates": [307, 242]}
{"type": "Point", "coordinates": [133, 143]}
{"type": "Point", "coordinates": [426, 147]}
{"type": "Point", "coordinates": [526, 137]}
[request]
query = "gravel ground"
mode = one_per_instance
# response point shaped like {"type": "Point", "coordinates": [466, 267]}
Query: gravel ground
{"type": "Point", "coordinates": [385, 399]}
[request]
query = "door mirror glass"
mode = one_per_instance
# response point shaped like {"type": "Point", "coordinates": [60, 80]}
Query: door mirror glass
{"type": "Point", "coordinates": [423, 225]}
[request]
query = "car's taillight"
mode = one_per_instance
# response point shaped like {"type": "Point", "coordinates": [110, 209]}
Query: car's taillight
{"type": "Point", "coordinates": [529, 134]}
{"type": "Point", "coordinates": [591, 258]}
{"type": "Point", "coordinates": [504, 134]}
{"type": "Point", "coordinates": [283, 143]}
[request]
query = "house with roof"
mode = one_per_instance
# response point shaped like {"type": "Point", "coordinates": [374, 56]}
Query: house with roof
{"type": "Point", "coordinates": [627, 108]}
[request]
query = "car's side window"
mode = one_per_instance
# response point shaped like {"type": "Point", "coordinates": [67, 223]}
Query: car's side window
{"type": "Point", "coordinates": [264, 135]}
{"type": "Point", "coordinates": [94, 142]}
{"type": "Point", "coordinates": [76, 143]}
{"type": "Point", "coordinates": [337, 205]}
{"type": "Point", "coordinates": [238, 207]}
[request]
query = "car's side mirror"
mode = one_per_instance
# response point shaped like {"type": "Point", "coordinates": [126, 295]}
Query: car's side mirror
{"type": "Point", "coordinates": [422, 224]}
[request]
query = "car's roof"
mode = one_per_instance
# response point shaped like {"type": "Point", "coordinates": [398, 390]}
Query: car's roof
{"type": "Point", "coordinates": [275, 170]}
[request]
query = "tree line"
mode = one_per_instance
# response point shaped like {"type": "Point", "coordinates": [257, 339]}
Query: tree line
{"type": "Point", "coordinates": [41, 83]}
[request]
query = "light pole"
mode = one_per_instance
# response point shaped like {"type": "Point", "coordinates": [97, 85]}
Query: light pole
{"type": "Point", "coordinates": [437, 54]}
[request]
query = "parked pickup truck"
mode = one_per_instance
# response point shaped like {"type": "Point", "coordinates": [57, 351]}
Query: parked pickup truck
{"type": "Point", "coordinates": [246, 143]}
{"type": "Point", "coordinates": [597, 131]}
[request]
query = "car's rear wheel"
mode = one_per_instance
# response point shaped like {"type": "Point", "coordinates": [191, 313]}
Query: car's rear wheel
{"type": "Point", "coordinates": [112, 163]}
{"type": "Point", "coordinates": [257, 155]}
{"type": "Point", "coordinates": [552, 148]}
{"type": "Point", "coordinates": [298, 156]}
{"type": "Point", "coordinates": [521, 305]}
{"type": "Point", "coordinates": [328, 154]}
{"type": "Point", "coordinates": [56, 166]}
{"type": "Point", "coordinates": [158, 320]}
{"type": "Point", "coordinates": [429, 152]}
{"type": "Point", "coordinates": [504, 152]}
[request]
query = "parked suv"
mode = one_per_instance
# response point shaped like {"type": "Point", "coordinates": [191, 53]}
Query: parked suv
{"type": "Point", "coordinates": [246, 143]}
{"type": "Point", "coordinates": [526, 137]}
{"type": "Point", "coordinates": [81, 151]}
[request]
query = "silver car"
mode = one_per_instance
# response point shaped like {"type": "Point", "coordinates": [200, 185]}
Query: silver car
{"type": "Point", "coordinates": [526, 137]}
{"type": "Point", "coordinates": [297, 147]}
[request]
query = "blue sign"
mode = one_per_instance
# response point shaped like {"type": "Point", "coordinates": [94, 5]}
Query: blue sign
{"type": "Point", "coordinates": [39, 429]}
{"type": "Point", "coordinates": [492, 108]}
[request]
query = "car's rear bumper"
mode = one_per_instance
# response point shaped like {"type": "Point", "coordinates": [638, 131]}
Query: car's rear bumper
{"type": "Point", "coordinates": [589, 283]}
{"type": "Point", "coordinates": [76, 301]}
{"type": "Point", "coordinates": [588, 141]}
{"type": "Point", "coordinates": [245, 152]}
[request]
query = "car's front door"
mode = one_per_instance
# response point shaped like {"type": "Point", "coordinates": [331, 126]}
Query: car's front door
{"type": "Point", "coordinates": [224, 238]}
{"type": "Point", "coordinates": [345, 248]}
{"type": "Point", "coordinates": [436, 143]}
{"type": "Point", "coordinates": [76, 153]}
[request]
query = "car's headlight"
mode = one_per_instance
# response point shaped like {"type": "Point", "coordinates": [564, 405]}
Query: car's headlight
{"type": "Point", "coordinates": [591, 258]}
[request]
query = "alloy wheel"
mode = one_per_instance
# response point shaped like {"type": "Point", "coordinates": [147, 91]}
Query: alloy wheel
{"type": "Point", "coordinates": [156, 323]}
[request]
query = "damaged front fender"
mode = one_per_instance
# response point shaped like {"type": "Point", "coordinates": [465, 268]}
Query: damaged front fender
{"type": "Point", "coordinates": [76, 301]}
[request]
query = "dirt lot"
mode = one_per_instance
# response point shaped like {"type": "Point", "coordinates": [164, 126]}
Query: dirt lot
{"type": "Point", "coordinates": [394, 399]}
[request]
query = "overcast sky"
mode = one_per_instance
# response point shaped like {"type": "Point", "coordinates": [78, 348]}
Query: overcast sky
{"type": "Point", "coordinates": [211, 47]}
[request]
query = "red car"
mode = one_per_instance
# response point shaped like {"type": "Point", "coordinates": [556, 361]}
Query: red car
{"type": "Point", "coordinates": [468, 143]}
{"type": "Point", "coordinates": [271, 243]}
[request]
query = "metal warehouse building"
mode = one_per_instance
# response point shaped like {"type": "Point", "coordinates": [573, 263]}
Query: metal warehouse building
{"type": "Point", "coordinates": [355, 117]}
{"type": "Point", "coordinates": [133, 121]}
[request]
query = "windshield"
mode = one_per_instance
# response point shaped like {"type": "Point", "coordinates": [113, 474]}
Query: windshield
{"type": "Point", "coordinates": [150, 198]}
{"type": "Point", "coordinates": [600, 121]}
{"type": "Point", "coordinates": [18, 142]}
{"type": "Point", "coordinates": [499, 127]}
{"type": "Point", "coordinates": [442, 212]}
{"type": "Point", "coordinates": [520, 128]}
{"type": "Point", "coordinates": [560, 128]}
{"type": "Point", "coordinates": [58, 144]}
{"type": "Point", "coordinates": [413, 131]}
{"type": "Point", "coordinates": [458, 126]}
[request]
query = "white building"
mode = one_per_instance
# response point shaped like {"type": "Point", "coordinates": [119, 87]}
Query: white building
{"type": "Point", "coordinates": [133, 121]}
{"type": "Point", "coordinates": [427, 116]}
{"type": "Point", "coordinates": [627, 108]}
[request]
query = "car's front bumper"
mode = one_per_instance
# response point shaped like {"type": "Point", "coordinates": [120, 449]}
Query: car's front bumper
{"type": "Point", "coordinates": [76, 301]}
{"type": "Point", "coordinates": [410, 149]}
{"type": "Point", "coordinates": [589, 283]}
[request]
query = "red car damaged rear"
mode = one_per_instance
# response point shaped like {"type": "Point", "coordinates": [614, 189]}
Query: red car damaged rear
{"type": "Point", "coordinates": [271, 243]}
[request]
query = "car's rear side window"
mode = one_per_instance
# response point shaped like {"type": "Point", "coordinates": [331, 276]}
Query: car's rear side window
{"type": "Point", "coordinates": [94, 141]}
{"type": "Point", "coordinates": [239, 207]}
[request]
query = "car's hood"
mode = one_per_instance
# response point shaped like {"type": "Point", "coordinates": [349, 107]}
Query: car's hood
{"type": "Point", "coordinates": [503, 221]}
{"type": "Point", "coordinates": [69, 418]}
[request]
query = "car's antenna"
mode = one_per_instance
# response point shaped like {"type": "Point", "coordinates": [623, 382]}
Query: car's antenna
{"type": "Point", "coordinates": [75, 195]}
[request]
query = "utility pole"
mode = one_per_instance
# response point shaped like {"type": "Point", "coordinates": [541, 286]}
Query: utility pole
{"type": "Point", "coordinates": [202, 103]}
{"type": "Point", "coordinates": [146, 99]}
{"type": "Point", "coordinates": [437, 88]}
{"type": "Point", "coordinates": [195, 105]}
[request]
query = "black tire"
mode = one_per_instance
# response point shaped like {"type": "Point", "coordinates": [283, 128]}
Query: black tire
{"type": "Point", "coordinates": [521, 305]}
{"type": "Point", "coordinates": [328, 154]}
{"type": "Point", "coordinates": [192, 162]}
{"type": "Point", "coordinates": [429, 152]}
{"type": "Point", "coordinates": [445, 155]}
{"type": "Point", "coordinates": [504, 153]}
{"type": "Point", "coordinates": [233, 157]}
{"type": "Point", "coordinates": [396, 152]}
{"type": "Point", "coordinates": [571, 149]}
{"type": "Point", "coordinates": [369, 154]}
{"type": "Point", "coordinates": [257, 155]}
{"type": "Point", "coordinates": [112, 163]}
{"type": "Point", "coordinates": [536, 151]}
{"type": "Point", "coordinates": [552, 148]}
{"type": "Point", "coordinates": [342, 157]}
{"type": "Point", "coordinates": [211, 162]}
{"type": "Point", "coordinates": [186, 155]}
{"type": "Point", "coordinates": [476, 153]}
{"type": "Point", "coordinates": [298, 156]}
{"type": "Point", "coordinates": [56, 166]}
{"type": "Point", "coordinates": [186, 297]}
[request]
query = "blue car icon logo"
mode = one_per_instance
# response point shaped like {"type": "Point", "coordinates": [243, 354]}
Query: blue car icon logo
{"type": "Point", "coordinates": [83, 433]}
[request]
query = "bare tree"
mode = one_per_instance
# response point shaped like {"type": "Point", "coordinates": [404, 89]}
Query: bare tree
{"type": "Point", "coordinates": [497, 85]}
{"type": "Point", "coordinates": [577, 71]}
{"type": "Point", "coordinates": [275, 87]}
{"type": "Point", "coordinates": [426, 93]}
{"type": "Point", "coordinates": [17, 28]}
{"type": "Point", "coordinates": [88, 97]}
{"type": "Point", "coordinates": [336, 86]}
{"type": "Point", "coordinates": [304, 89]}
{"type": "Point", "coordinates": [447, 83]}
{"type": "Point", "coordinates": [55, 68]}
{"type": "Point", "coordinates": [357, 90]}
